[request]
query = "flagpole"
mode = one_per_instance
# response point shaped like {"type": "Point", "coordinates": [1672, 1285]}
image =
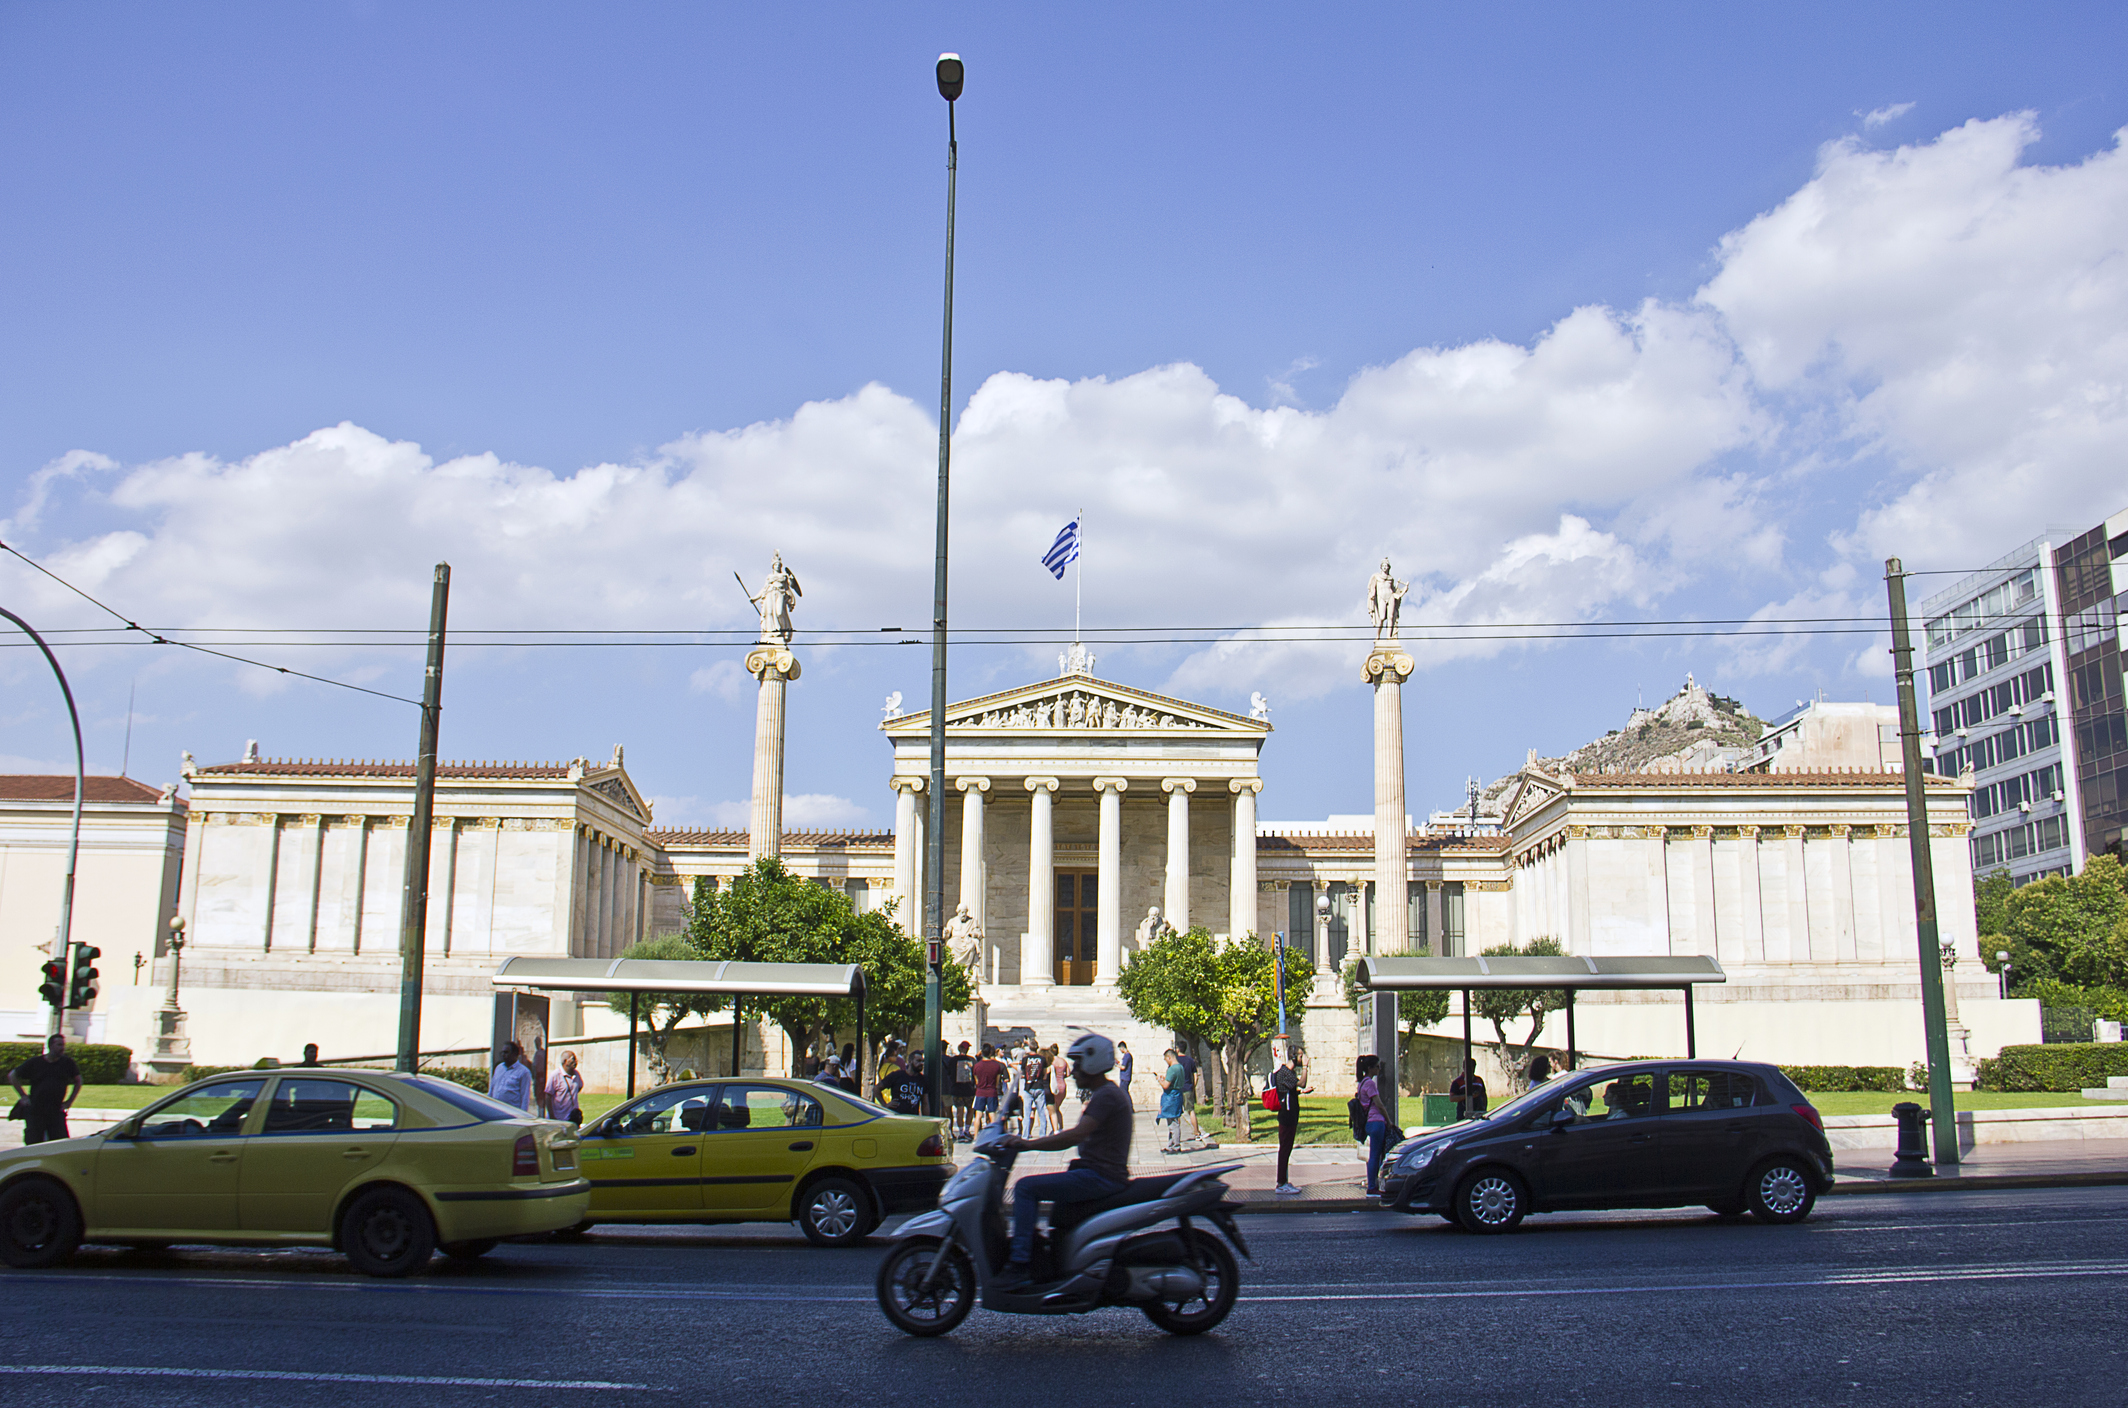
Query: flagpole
{"type": "Point", "coordinates": [1078, 578]}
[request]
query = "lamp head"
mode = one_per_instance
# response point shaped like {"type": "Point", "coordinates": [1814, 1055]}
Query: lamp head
{"type": "Point", "coordinates": [950, 76]}
{"type": "Point", "coordinates": [1322, 904]}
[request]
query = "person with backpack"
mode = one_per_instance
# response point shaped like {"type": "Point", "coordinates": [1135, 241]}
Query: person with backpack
{"type": "Point", "coordinates": [962, 1073]}
{"type": "Point", "coordinates": [1034, 1090]}
{"type": "Point", "coordinates": [1375, 1115]}
{"type": "Point", "coordinates": [1171, 1101]}
{"type": "Point", "coordinates": [1286, 1088]}
{"type": "Point", "coordinates": [1189, 1095]}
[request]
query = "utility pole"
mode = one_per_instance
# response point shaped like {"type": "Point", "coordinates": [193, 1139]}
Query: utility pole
{"type": "Point", "coordinates": [950, 77]}
{"type": "Point", "coordinates": [414, 915]}
{"type": "Point", "coordinates": [1943, 1112]}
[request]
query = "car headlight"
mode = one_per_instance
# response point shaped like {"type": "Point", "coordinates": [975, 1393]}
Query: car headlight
{"type": "Point", "coordinates": [1415, 1159]}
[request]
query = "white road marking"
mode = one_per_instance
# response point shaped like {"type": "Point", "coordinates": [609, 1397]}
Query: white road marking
{"type": "Point", "coordinates": [301, 1377]}
{"type": "Point", "coordinates": [1887, 1278]}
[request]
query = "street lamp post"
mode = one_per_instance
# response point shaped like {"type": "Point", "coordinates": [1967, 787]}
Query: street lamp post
{"type": "Point", "coordinates": [2002, 973]}
{"type": "Point", "coordinates": [951, 74]}
{"type": "Point", "coordinates": [60, 944]}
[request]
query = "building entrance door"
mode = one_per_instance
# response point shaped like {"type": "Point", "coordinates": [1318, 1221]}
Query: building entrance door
{"type": "Point", "coordinates": [1078, 923]}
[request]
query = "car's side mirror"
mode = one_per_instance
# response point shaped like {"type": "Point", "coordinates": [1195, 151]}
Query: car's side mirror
{"type": "Point", "coordinates": [125, 1128]}
{"type": "Point", "coordinates": [1562, 1117]}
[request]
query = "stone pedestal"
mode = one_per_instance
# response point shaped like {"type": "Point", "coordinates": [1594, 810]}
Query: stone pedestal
{"type": "Point", "coordinates": [773, 666]}
{"type": "Point", "coordinates": [1387, 668]}
{"type": "Point", "coordinates": [173, 1046]}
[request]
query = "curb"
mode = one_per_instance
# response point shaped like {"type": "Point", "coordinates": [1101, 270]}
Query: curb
{"type": "Point", "coordinates": [1978, 1183]}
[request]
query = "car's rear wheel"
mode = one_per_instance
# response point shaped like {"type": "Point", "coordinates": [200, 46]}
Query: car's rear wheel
{"type": "Point", "coordinates": [1222, 1281]}
{"type": "Point", "coordinates": [39, 1224]}
{"type": "Point", "coordinates": [926, 1288]}
{"type": "Point", "coordinates": [1491, 1200]}
{"type": "Point", "coordinates": [835, 1212]}
{"type": "Point", "coordinates": [1780, 1191]}
{"type": "Point", "coordinates": [469, 1251]}
{"type": "Point", "coordinates": [387, 1232]}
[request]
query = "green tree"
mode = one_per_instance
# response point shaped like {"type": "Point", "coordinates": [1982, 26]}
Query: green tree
{"type": "Point", "coordinates": [2069, 929]}
{"type": "Point", "coordinates": [1417, 1007]}
{"type": "Point", "coordinates": [1500, 1006]}
{"type": "Point", "coordinates": [661, 1012]}
{"type": "Point", "coordinates": [1225, 996]}
{"type": "Point", "coordinates": [1991, 905]}
{"type": "Point", "coordinates": [768, 915]}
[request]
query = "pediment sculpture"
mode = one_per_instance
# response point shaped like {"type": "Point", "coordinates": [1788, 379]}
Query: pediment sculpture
{"type": "Point", "coordinates": [1078, 710]}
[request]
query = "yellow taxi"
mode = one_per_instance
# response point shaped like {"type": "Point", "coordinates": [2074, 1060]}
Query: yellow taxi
{"type": "Point", "coordinates": [384, 1167]}
{"type": "Point", "coordinates": [762, 1149]}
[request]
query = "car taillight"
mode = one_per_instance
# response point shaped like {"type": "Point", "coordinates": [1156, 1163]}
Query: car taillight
{"type": "Point", "coordinates": [524, 1160]}
{"type": "Point", "coordinates": [932, 1148]}
{"type": "Point", "coordinates": [1810, 1113]}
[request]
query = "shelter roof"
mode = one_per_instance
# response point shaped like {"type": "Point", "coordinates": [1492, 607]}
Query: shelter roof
{"type": "Point", "coordinates": [681, 975]}
{"type": "Point", "coordinates": [1399, 973]}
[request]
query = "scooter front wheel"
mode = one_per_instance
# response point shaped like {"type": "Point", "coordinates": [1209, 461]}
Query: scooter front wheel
{"type": "Point", "coordinates": [1195, 1314]}
{"type": "Point", "coordinates": [926, 1287]}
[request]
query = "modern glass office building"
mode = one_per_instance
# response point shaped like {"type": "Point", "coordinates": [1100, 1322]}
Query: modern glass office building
{"type": "Point", "coordinates": [2025, 688]}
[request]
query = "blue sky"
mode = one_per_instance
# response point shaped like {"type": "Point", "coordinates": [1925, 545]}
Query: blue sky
{"type": "Point", "coordinates": [1579, 315]}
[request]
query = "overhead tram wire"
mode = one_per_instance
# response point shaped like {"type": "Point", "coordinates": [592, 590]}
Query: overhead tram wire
{"type": "Point", "coordinates": [156, 639]}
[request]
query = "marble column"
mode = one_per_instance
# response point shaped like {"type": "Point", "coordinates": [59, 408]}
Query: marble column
{"type": "Point", "coordinates": [1108, 926]}
{"type": "Point", "coordinates": [1176, 903]}
{"type": "Point", "coordinates": [1038, 944]}
{"type": "Point", "coordinates": [1241, 880]}
{"type": "Point", "coordinates": [1843, 896]}
{"type": "Point", "coordinates": [773, 667]}
{"type": "Point", "coordinates": [1798, 896]}
{"type": "Point", "coordinates": [908, 853]}
{"type": "Point", "coordinates": [1360, 934]}
{"type": "Point", "coordinates": [1436, 935]}
{"type": "Point", "coordinates": [1319, 922]}
{"type": "Point", "coordinates": [1577, 889]}
{"type": "Point", "coordinates": [1754, 935]}
{"type": "Point", "coordinates": [1706, 938]}
{"type": "Point", "coordinates": [1387, 668]}
{"type": "Point", "coordinates": [974, 875]}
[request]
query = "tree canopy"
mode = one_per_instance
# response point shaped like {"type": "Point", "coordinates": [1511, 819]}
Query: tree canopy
{"type": "Point", "coordinates": [1226, 996]}
{"type": "Point", "coordinates": [2067, 936]}
{"type": "Point", "coordinates": [1500, 1006]}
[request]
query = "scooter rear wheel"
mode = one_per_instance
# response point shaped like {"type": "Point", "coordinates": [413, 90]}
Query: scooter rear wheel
{"type": "Point", "coordinates": [903, 1297]}
{"type": "Point", "coordinates": [1222, 1282]}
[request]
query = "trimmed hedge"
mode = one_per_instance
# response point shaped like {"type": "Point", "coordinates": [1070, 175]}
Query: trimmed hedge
{"type": "Point", "coordinates": [2059, 1066]}
{"type": "Point", "coordinates": [100, 1064]}
{"type": "Point", "coordinates": [1836, 1078]}
{"type": "Point", "coordinates": [471, 1077]}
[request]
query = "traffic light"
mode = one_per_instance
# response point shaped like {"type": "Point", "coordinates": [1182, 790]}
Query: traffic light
{"type": "Point", "coordinates": [81, 990]}
{"type": "Point", "coordinates": [53, 989]}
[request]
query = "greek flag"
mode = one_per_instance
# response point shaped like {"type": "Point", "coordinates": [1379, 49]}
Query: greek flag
{"type": "Point", "coordinates": [1064, 551]}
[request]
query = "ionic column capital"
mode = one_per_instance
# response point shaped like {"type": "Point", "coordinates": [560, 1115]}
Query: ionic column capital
{"type": "Point", "coordinates": [907, 784]}
{"type": "Point", "coordinates": [977, 784]}
{"type": "Point", "coordinates": [1245, 784]}
{"type": "Point", "coordinates": [1043, 784]}
{"type": "Point", "coordinates": [1178, 784]}
{"type": "Point", "coordinates": [771, 659]}
{"type": "Point", "coordinates": [1111, 784]}
{"type": "Point", "coordinates": [1388, 667]}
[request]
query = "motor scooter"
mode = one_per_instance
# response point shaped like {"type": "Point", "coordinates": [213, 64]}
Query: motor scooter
{"type": "Point", "coordinates": [1095, 1254]}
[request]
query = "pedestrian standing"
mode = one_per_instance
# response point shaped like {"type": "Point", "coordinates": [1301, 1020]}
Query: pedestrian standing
{"type": "Point", "coordinates": [511, 1081]}
{"type": "Point", "coordinates": [1288, 1084]}
{"type": "Point", "coordinates": [988, 1071]}
{"type": "Point", "coordinates": [48, 1084]}
{"type": "Point", "coordinates": [1034, 1084]}
{"type": "Point", "coordinates": [1370, 1098]}
{"type": "Point", "coordinates": [1059, 1086]}
{"type": "Point", "coordinates": [1123, 1069]}
{"type": "Point", "coordinates": [1171, 1100]}
{"type": "Point", "coordinates": [1468, 1090]}
{"type": "Point", "coordinates": [565, 1091]}
{"type": "Point", "coordinates": [310, 1054]}
{"type": "Point", "coordinates": [963, 1073]}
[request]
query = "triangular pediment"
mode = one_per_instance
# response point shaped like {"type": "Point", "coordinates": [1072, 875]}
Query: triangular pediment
{"type": "Point", "coordinates": [617, 787]}
{"type": "Point", "coordinates": [1531, 790]}
{"type": "Point", "coordinates": [1078, 704]}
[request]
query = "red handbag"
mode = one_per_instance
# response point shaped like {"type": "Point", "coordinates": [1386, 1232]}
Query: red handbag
{"type": "Point", "coordinates": [1270, 1098]}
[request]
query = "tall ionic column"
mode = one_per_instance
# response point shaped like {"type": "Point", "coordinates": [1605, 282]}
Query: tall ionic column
{"type": "Point", "coordinates": [974, 890]}
{"type": "Point", "coordinates": [1037, 945]}
{"type": "Point", "coordinates": [773, 666]}
{"type": "Point", "coordinates": [908, 853]}
{"type": "Point", "coordinates": [1177, 899]}
{"type": "Point", "coordinates": [1108, 884]}
{"type": "Point", "coordinates": [1241, 877]}
{"type": "Point", "coordinates": [1387, 668]}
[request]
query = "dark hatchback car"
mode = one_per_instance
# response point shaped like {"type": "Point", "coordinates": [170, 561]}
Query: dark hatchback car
{"type": "Point", "coordinates": [1736, 1136]}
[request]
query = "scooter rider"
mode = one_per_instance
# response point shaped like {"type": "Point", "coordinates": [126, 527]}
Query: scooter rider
{"type": "Point", "coordinates": [1103, 1138]}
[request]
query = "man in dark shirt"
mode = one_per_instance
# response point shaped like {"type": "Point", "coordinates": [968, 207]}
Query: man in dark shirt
{"type": "Point", "coordinates": [50, 1083]}
{"type": "Point", "coordinates": [988, 1072]}
{"type": "Point", "coordinates": [1102, 1136]}
{"type": "Point", "coordinates": [1468, 1091]}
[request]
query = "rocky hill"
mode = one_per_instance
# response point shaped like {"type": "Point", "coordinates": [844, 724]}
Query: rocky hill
{"type": "Point", "coordinates": [1693, 728]}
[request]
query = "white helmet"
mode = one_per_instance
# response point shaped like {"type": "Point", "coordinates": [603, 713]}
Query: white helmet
{"type": "Point", "coordinates": [1092, 1054]}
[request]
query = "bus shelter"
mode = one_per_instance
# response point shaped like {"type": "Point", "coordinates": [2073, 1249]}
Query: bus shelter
{"type": "Point", "coordinates": [1571, 973]}
{"type": "Point", "coordinates": [636, 976]}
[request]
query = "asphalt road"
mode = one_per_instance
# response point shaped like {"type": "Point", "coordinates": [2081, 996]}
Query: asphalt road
{"type": "Point", "coordinates": [1943, 1298]}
